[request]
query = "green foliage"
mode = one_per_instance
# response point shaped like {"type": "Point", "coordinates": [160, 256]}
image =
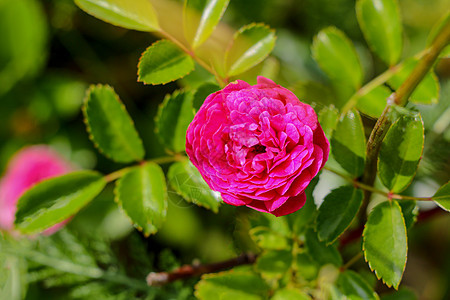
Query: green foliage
{"type": "Point", "coordinates": [320, 252]}
{"type": "Point", "coordinates": [200, 18]}
{"type": "Point", "coordinates": [110, 127]}
{"type": "Point", "coordinates": [274, 263]}
{"type": "Point", "coordinates": [163, 62]}
{"type": "Point", "coordinates": [142, 194]}
{"type": "Point", "coordinates": [381, 25]}
{"type": "Point", "coordinates": [251, 44]}
{"type": "Point", "coordinates": [186, 180]}
{"type": "Point", "coordinates": [22, 23]}
{"type": "Point", "coordinates": [13, 284]}
{"type": "Point", "coordinates": [373, 103]}
{"type": "Point", "coordinates": [137, 15]}
{"type": "Point", "coordinates": [337, 56]}
{"type": "Point", "coordinates": [173, 118]}
{"type": "Point", "coordinates": [56, 199]}
{"type": "Point", "coordinates": [290, 294]}
{"type": "Point", "coordinates": [348, 143]}
{"type": "Point", "coordinates": [337, 212]}
{"type": "Point", "coordinates": [442, 196]}
{"type": "Point", "coordinates": [400, 152]}
{"type": "Point", "coordinates": [202, 92]}
{"type": "Point", "coordinates": [268, 239]}
{"type": "Point", "coordinates": [427, 92]}
{"type": "Point", "coordinates": [328, 118]}
{"type": "Point", "coordinates": [355, 287]}
{"type": "Point", "coordinates": [232, 285]}
{"type": "Point", "coordinates": [385, 242]}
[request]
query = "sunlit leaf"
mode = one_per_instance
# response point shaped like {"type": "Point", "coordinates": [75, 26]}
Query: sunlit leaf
{"type": "Point", "coordinates": [348, 143]}
{"type": "Point", "coordinates": [382, 27]}
{"type": "Point", "coordinates": [173, 118]}
{"type": "Point", "coordinates": [385, 242]}
{"type": "Point", "coordinates": [268, 239]}
{"type": "Point", "coordinates": [328, 118]}
{"type": "Point", "coordinates": [200, 19]}
{"type": "Point", "coordinates": [400, 152]}
{"type": "Point", "coordinates": [142, 194]}
{"type": "Point", "coordinates": [136, 14]}
{"type": "Point", "coordinates": [251, 44]}
{"type": "Point", "coordinates": [373, 103]}
{"type": "Point", "coordinates": [110, 127]}
{"type": "Point", "coordinates": [427, 92]}
{"type": "Point", "coordinates": [231, 285]}
{"type": "Point", "coordinates": [163, 62]}
{"type": "Point", "coordinates": [337, 212]}
{"type": "Point", "coordinates": [337, 56]}
{"type": "Point", "coordinates": [186, 180]}
{"type": "Point", "coordinates": [290, 294]}
{"type": "Point", "coordinates": [54, 200]}
{"type": "Point", "coordinates": [442, 196]}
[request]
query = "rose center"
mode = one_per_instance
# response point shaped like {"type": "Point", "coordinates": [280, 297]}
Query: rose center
{"type": "Point", "coordinates": [258, 149]}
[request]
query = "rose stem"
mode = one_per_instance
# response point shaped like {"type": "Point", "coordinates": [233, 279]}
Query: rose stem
{"type": "Point", "coordinates": [399, 98]}
{"type": "Point", "coordinates": [187, 271]}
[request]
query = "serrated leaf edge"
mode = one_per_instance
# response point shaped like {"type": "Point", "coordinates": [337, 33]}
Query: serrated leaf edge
{"type": "Point", "coordinates": [164, 82]}
{"type": "Point", "coordinates": [88, 126]}
{"type": "Point", "coordinates": [367, 261]}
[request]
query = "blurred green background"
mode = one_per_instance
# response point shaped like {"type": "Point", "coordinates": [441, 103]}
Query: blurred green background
{"type": "Point", "coordinates": [50, 51]}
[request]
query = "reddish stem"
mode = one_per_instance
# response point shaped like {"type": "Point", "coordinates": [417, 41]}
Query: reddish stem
{"type": "Point", "coordinates": [187, 271]}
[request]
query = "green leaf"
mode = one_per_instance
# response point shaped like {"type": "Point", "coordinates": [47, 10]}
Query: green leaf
{"type": "Point", "coordinates": [54, 200]}
{"type": "Point", "coordinates": [442, 196]}
{"type": "Point", "coordinates": [231, 285]}
{"type": "Point", "coordinates": [385, 242]}
{"type": "Point", "coordinates": [13, 276]}
{"type": "Point", "coordinates": [251, 44]}
{"type": "Point", "coordinates": [110, 127]}
{"type": "Point", "coordinates": [328, 118]}
{"type": "Point", "coordinates": [337, 212]}
{"type": "Point", "coordinates": [410, 211]}
{"type": "Point", "coordinates": [400, 152]}
{"type": "Point", "coordinates": [373, 103]}
{"type": "Point", "coordinates": [355, 287]}
{"type": "Point", "coordinates": [306, 268]}
{"type": "Point", "coordinates": [290, 294]}
{"type": "Point", "coordinates": [200, 19]}
{"type": "Point", "coordinates": [136, 14]}
{"type": "Point", "coordinates": [300, 219]}
{"type": "Point", "coordinates": [348, 143]}
{"type": "Point", "coordinates": [427, 92]}
{"type": "Point", "coordinates": [186, 180]}
{"type": "Point", "coordinates": [163, 62]}
{"type": "Point", "coordinates": [142, 194]}
{"type": "Point", "coordinates": [382, 27]}
{"type": "Point", "coordinates": [320, 252]}
{"type": "Point", "coordinates": [337, 56]}
{"type": "Point", "coordinates": [402, 294]}
{"type": "Point", "coordinates": [202, 93]}
{"type": "Point", "coordinates": [268, 239]}
{"type": "Point", "coordinates": [274, 263]}
{"type": "Point", "coordinates": [173, 118]}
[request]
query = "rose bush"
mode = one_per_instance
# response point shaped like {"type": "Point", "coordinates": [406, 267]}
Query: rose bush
{"type": "Point", "coordinates": [259, 146]}
{"type": "Point", "coordinates": [27, 167]}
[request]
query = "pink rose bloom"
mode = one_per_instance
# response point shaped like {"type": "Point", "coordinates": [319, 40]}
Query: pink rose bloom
{"type": "Point", "coordinates": [259, 146]}
{"type": "Point", "coordinates": [26, 168]}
